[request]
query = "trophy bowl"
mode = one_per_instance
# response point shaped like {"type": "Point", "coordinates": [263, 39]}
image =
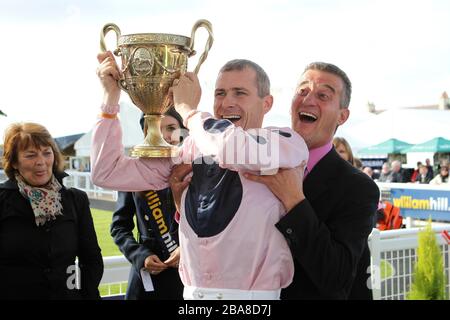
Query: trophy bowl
{"type": "Point", "coordinates": [150, 64]}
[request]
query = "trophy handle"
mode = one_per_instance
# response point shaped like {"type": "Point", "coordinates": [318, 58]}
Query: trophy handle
{"type": "Point", "coordinates": [107, 28]}
{"type": "Point", "coordinates": [207, 25]}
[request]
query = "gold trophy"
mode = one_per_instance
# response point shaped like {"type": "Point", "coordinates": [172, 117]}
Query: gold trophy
{"type": "Point", "coordinates": [150, 64]}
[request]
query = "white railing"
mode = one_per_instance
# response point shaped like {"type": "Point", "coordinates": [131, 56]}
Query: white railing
{"type": "Point", "coordinates": [115, 276]}
{"type": "Point", "coordinates": [395, 252]}
{"type": "Point", "coordinates": [82, 181]}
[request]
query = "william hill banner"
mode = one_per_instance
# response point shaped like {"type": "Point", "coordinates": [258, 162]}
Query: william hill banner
{"type": "Point", "coordinates": [422, 204]}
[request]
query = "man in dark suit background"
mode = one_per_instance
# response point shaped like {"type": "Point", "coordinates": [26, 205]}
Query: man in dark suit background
{"type": "Point", "coordinates": [331, 213]}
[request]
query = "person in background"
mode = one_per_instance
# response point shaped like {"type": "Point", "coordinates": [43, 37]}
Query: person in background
{"type": "Point", "coordinates": [343, 149]}
{"type": "Point", "coordinates": [155, 254]}
{"type": "Point", "coordinates": [397, 174]}
{"type": "Point", "coordinates": [442, 176]}
{"type": "Point", "coordinates": [358, 163]}
{"type": "Point", "coordinates": [423, 177]}
{"type": "Point", "coordinates": [368, 171]}
{"type": "Point", "coordinates": [385, 175]}
{"type": "Point", "coordinates": [44, 227]}
{"type": "Point", "coordinates": [430, 169]}
{"type": "Point", "coordinates": [416, 172]}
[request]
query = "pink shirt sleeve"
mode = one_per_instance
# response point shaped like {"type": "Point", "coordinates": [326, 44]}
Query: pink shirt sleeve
{"type": "Point", "coordinates": [261, 150]}
{"type": "Point", "coordinates": [113, 170]}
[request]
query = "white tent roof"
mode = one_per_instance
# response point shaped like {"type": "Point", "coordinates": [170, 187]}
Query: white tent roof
{"type": "Point", "coordinates": [131, 130]}
{"type": "Point", "coordinates": [409, 125]}
{"type": "Point", "coordinates": [355, 141]}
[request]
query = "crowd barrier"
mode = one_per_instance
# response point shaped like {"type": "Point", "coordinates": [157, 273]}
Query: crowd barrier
{"type": "Point", "coordinates": [115, 277]}
{"type": "Point", "coordinates": [393, 257]}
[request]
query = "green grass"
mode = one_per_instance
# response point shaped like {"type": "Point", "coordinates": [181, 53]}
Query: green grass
{"type": "Point", "coordinates": [114, 289]}
{"type": "Point", "coordinates": [102, 222]}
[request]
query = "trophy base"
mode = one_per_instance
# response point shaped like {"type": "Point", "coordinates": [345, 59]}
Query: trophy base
{"type": "Point", "coordinates": [143, 151]}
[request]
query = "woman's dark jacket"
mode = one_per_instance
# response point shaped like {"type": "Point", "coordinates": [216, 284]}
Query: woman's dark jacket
{"type": "Point", "coordinates": [39, 262]}
{"type": "Point", "coordinates": [167, 284]}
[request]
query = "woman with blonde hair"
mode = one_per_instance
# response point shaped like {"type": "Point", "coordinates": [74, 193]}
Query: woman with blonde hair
{"type": "Point", "coordinates": [343, 148]}
{"type": "Point", "coordinates": [43, 225]}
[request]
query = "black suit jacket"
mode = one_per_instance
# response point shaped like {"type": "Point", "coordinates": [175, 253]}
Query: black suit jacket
{"type": "Point", "coordinates": [327, 232]}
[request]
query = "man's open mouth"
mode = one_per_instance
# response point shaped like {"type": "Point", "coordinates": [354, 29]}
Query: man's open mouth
{"type": "Point", "coordinates": [307, 117]}
{"type": "Point", "coordinates": [232, 117]}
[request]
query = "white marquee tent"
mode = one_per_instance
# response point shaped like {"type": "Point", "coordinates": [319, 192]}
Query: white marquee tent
{"type": "Point", "coordinates": [409, 125]}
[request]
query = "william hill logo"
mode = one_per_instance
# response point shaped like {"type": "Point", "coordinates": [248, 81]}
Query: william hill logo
{"type": "Point", "coordinates": [154, 204]}
{"type": "Point", "coordinates": [437, 204]}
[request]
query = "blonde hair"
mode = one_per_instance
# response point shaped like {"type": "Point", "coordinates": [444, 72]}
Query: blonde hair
{"type": "Point", "coordinates": [19, 136]}
{"type": "Point", "coordinates": [337, 141]}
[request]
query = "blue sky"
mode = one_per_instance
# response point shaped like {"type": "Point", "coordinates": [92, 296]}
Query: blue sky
{"type": "Point", "coordinates": [397, 53]}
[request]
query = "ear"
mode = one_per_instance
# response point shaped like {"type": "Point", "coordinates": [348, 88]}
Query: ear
{"type": "Point", "coordinates": [267, 103]}
{"type": "Point", "coordinates": [343, 116]}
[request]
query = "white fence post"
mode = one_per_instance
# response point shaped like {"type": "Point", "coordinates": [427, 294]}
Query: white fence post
{"type": "Point", "coordinates": [408, 222]}
{"type": "Point", "coordinates": [375, 261]}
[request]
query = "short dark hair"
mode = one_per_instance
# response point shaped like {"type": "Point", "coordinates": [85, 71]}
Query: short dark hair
{"type": "Point", "coordinates": [331, 68]}
{"type": "Point", "coordinates": [174, 114]}
{"type": "Point", "coordinates": [262, 79]}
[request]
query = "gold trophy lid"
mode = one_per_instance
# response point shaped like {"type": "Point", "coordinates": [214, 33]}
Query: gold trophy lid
{"type": "Point", "coordinates": [154, 38]}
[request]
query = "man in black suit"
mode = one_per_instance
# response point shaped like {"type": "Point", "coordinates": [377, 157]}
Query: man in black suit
{"type": "Point", "coordinates": [330, 205]}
